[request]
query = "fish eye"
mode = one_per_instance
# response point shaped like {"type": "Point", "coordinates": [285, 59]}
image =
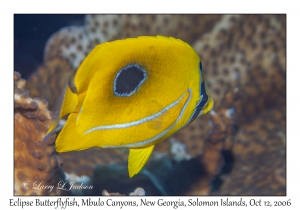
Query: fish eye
{"type": "Point", "coordinates": [128, 80]}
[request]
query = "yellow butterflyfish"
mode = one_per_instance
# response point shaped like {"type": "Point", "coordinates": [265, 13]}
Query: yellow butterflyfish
{"type": "Point", "coordinates": [133, 93]}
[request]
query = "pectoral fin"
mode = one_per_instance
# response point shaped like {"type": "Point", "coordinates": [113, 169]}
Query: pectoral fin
{"type": "Point", "coordinates": [137, 159]}
{"type": "Point", "coordinates": [165, 118]}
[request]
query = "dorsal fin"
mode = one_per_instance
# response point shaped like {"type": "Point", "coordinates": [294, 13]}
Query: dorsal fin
{"type": "Point", "coordinates": [65, 104]}
{"type": "Point", "coordinates": [69, 103]}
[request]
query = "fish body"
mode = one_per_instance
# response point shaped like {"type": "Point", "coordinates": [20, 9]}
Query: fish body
{"type": "Point", "coordinates": [133, 93]}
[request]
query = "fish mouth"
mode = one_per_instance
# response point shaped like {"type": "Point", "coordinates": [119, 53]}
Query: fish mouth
{"type": "Point", "coordinates": [147, 119]}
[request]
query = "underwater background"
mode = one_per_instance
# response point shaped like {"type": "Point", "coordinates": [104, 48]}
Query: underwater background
{"type": "Point", "coordinates": [237, 149]}
{"type": "Point", "coordinates": [31, 33]}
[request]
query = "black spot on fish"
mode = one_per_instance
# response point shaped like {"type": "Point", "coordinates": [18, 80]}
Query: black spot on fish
{"type": "Point", "coordinates": [129, 79]}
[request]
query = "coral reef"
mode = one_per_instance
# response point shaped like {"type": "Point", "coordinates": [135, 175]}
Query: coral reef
{"type": "Point", "coordinates": [219, 140]}
{"type": "Point", "coordinates": [260, 157]}
{"type": "Point", "coordinates": [51, 68]}
{"type": "Point", "coordinates": [36, 165]}
{"type": "Point", "coordinates": [192, 136]}
{"type": "Point", "coordinates": [178, 151]}
{"type": "Point", "coordinates": [72, 44]}
{"type": "Point", "coordinates": [247, 52]}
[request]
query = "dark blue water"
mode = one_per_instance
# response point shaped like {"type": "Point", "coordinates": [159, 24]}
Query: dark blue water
{"type": "Point", "coordinates": [31, 33]}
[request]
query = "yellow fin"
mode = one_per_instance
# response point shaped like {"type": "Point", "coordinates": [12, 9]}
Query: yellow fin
{"type": "Point", "coordinates": [55, 113]}
{"type": "Point", "coordinates": [138, 158]}
{"type": "Point", "coordinates": [155, 107]}
{"type": "Point", "coordinates": [209, 106]}
{"type": "Point", "coordinates": [51, 130]}
{"type": "Point", "coordinates": [69, 103]}
{"type": "Point", "coordinates": [69, 139]}
{"type": "Point", "coordinates": [64, 105]}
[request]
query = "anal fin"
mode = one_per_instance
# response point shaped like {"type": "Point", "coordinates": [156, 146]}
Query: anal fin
{"type": "Point", "coordinates": [138, 158]}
